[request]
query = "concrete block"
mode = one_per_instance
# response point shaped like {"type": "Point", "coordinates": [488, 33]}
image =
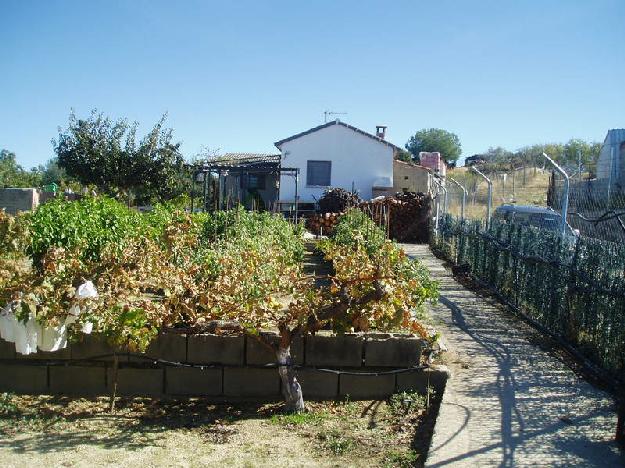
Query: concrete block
{"type": "Point", "coordinates": [18, 378]}
{"type": "Point", "coordinates": [392, 351]}
{"type": "Point", "coordinates": [250, 382]}
{"type": "Point", "coordinates": [168, 346]}
{"type": "Point", "coordinates": [366, 387]}
{"type": "Point", "coordinates": [14, 200]}
{"type": "Point", "coordinates": [78, 380]}
{"type": "Point", "coordinates": [334, 351]}
{"type": "Point", "coordinates": [7, 350]}
{"type": "Point", "coordinates": [318, 385]}
{"type": "Point", "coordinates": [257, 354]}
{"type": "Point", "coordinates": [216, 349]}
{"type": "Point", "coordinates": [418, 380]}
{"type": "Point", "coordinates": [136, 381]}
{"type": "Point", "coordinates": [193, 381]}
{"type": "Point", "coordinates": [92, 346]}
{"type": "Point", "coordinates": [61, 354]}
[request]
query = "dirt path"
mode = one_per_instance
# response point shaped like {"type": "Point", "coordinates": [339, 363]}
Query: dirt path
{"type": "Point", "coordinates": [509, 402]}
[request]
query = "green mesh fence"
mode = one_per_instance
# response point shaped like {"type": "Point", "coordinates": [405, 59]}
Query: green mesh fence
{"type": "Point", "coordinates": [575, 287]}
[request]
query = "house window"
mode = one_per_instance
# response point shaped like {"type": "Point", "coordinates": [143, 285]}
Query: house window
{"type": "Point", "coordinates": [318, 173]}
{"type": "Point", "coordinates": [257, 181]}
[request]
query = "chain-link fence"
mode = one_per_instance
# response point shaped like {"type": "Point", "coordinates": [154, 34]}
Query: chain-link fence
{"type": "Point", "coordinates": [596, 207]}
{"type": "Point", "coordinates": [574, 287]}
{"type": "Point", "coordinates": [520, 186]}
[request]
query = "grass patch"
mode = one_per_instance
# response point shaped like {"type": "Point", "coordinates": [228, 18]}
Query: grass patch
{"type": "Point", "coordinates": [396, 459]}
{"type": "Point", "coordinates": [297, 419]}
{"type": "Point", "coordinates": [7, 404]}
{"type": "Point", "coordinates": [407, 403]}
{"type": "Point", "coordinates": [336, 442]}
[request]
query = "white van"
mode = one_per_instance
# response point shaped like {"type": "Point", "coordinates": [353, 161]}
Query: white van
{"type": "Point", "coordinates": [537, 216]}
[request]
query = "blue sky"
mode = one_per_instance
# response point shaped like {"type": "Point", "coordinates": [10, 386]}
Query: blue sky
{"type": "Point", "coordinates": [239, 75]}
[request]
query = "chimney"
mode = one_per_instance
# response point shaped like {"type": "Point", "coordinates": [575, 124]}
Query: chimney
{"type": "Point", "coordinates": [380, 131]}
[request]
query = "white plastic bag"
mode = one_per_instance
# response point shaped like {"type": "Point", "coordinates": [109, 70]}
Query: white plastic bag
{"type": "Point", "coordinates": [6, 323]}
{"type": "Point", "coordinates": [26, 336]}
{"type": "Point", "coordinates": [52, 338]}
{"type": "Point", "coordinates": [84, 291]}
{"type": "Point", "coordinates": [6, 328]}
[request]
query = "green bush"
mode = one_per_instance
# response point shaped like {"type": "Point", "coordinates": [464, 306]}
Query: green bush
{"type": "Point", "coordinates": [356, 227]}
{"type": "Point", "coordinates": [88, 224]}
{"type": "Point", "coordinates": [252, 229]}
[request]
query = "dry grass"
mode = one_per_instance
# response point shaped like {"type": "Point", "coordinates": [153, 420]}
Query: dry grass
{"type": "Point", "coordinates": [55, 431]}
{"type": "Point", "coordinates": [533, 192]}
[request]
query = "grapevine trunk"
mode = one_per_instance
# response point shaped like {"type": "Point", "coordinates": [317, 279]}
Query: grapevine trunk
{"type": "Point", "coordinates": [291, 388]}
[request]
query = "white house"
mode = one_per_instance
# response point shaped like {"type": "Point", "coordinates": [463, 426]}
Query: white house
{"type": "Point", "coordinates": [336, 155]}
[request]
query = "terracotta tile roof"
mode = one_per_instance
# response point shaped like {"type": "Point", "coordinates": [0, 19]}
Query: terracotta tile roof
{"type": "Point", "coordinates": [336, 122]}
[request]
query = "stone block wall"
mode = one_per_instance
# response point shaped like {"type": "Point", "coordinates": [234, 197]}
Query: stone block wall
{"type": "Point", "coordinates": [224, 368]}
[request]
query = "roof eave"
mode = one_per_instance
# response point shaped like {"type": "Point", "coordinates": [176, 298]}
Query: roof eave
{"type": "Point", "coordinates": [279, 143]}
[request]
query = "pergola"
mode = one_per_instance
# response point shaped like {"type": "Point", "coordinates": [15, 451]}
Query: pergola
{"type": "Point", "coordinates": [239, 165]}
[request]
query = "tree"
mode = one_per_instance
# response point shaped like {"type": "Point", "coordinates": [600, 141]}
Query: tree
{"type": "Point", "coordinates": [52, 173]}
{"type": "Point", "coordinates": [402, 155]}
{"type": "Point", "coordinates": [435, 139]}
{"type": "Point", "coordinates": [107, 154]}
{"type": "Point", "coordinates": [579, 152]}
{"type": "Point", "coordinates": [13, 175]}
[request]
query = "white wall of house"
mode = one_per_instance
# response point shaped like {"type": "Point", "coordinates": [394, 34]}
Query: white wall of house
{"type": "Point", "coordinates": [355, 158]}
{"type": "Point", "coordinates": [612, 157]}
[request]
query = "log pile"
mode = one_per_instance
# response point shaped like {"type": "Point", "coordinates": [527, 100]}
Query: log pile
{"type": "Point", "coordinates": [404, 216]}
{"type": "Point", "coordinates": [322, 223]}
{"type": "Point", "coordinates": [337, 200]}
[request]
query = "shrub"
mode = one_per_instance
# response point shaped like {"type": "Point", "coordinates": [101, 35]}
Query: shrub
{"type": "Point", "coordinates": [88, 224]}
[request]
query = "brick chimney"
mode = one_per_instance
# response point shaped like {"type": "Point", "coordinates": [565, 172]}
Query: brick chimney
{"type": "Point", "coordinates": [380, 131]}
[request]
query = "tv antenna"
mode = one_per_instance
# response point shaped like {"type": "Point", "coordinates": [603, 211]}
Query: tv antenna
{"type": "Point", "coordinates": [327, 113]}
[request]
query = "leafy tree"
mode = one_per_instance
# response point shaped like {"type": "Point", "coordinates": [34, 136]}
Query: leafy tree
{"type": "Point", "coordinates": [435, 139]}
{"type": "Point", "coordinates": [579, 151]}
{"type": "Point", "coordinates": [402, 155]}
{"type": "Point", "coordinates": [52, 173]}
{"type": "Point", "coordinates": [498, 155]}
{"type": "Point", "coordinates": [105, 153]}
{"type": "Point", "coordinates": [13, 175]}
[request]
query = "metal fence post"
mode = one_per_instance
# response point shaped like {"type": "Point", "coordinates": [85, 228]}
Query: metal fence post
{"type": "Point", "coordinates": [437, 205]}
{"type": "Point", "coordinates": [464, 196]}
{"type": "Point", "coordinates": [565, 195]}
{"type": "Point", "coordinates": [610, 175]}
{"type": "Point", "coordinates": [296, 194]}
{"type": "Point", "coordinates": [490, 195]}
{"type": "Point", "coordinates": [444, 199]}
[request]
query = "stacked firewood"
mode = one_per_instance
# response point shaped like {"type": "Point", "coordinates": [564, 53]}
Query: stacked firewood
{"type": "Point", "coordinates": [322, 223]}
{"type": "Point", "coordinates": [337, 200]}
{"type": "Point", "coordinates": [405, 216]}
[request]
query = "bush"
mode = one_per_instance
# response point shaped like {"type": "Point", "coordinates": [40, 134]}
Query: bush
{"type": "Point", "coordinates": [246, 228]}
{"type": "Point", "coordinates": [89, 224]}
{"type": "Point", "coordinates": [356, 227]}
{"type": "Point", "coordinates": [367, 264]}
